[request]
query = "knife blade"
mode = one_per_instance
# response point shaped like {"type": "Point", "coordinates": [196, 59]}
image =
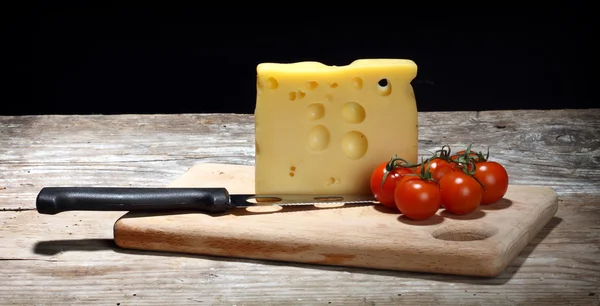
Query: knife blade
{"type": "Point", "coordinates": [54, 200]}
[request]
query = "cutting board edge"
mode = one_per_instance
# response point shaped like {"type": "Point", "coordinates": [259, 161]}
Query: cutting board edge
{"type": "Point", "coordinates": [508, 254]}
{"type": "Point", "coordinates": [362, 263]}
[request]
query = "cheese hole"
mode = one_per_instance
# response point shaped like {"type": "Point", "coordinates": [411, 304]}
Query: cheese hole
{"type": "Point", "coordinates": [354, 144]}
{"type": "Point", "coordinates": [293, 168]}
{"type": "Point", "coordinates": [272, 83]}
{"type": "Point", "coordinates": [300, 94]}
{"type": "Point", "coordinates": [329, 97]}
{"type": "Point", "coordinates": [357, 83]}
{"type": "Point", "coordinates": [311, 85]}
{"type": "Point", "coordinates": [384, 87]}
{"type": "Point", "coordinates": [353, 112]}
{"type": "Point", "coordinates": [333, 85]}
{"type": "Point", "coordinates": [291, 174]}
{"type": "Point", "coordinates": [315, 111]}
{"type": "Point", "coordinates": [333, 181]}
{"type": "Point", "coordinates": [318, 138]}
{"type": "Point", "coordinates": [292, 96]}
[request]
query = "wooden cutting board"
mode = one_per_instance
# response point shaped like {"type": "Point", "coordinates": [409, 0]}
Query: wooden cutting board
{"type": "Point", "coordinates": [480, 244]}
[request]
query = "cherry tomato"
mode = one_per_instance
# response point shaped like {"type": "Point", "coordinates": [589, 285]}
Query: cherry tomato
{"type": "Point", "coordinates": [461, 193]}
{"type": "Point", "coordinates": [438, 168]}
{"type": "Point", "coordinates": [416, 198]}
{"type": "Point", "coordinates": [494, 178]}
{"type": "Point", "coordinates": [385, 194]}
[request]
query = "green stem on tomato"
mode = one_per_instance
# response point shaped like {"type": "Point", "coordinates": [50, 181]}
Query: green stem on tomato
{"type": "Point", "coordinates": [487, 155]}
{"type": "Point", "coordinates": [467, 165]}
{"type": "Point", "coordinates": [426, 174]}
{"type": "Point", "coordinates": [443, 152]}
{"type": "Point", "coordinates": [392, 164]}
{"type": "Point", "coordinates": [389, 167]}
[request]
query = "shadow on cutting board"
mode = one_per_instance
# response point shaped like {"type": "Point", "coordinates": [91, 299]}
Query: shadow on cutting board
{"type": "Point", "coordinates": [53, 247]}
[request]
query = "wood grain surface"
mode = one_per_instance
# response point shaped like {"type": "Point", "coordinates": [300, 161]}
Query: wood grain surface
{"type": "Point", "coordinates": [481, 243]}
{"type": "Point", "coordinates": [70, 258]}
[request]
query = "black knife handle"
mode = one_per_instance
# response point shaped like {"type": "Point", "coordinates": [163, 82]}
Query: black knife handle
{"type": "Point", "coordinates": [53, 200]}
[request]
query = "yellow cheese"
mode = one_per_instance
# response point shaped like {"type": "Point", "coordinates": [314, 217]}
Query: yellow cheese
{"type": "Point", "coordinates": [323, 129]}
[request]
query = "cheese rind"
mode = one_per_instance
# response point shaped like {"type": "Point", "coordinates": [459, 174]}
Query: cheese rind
{"type": "Point", "coordinates": [323, 129]}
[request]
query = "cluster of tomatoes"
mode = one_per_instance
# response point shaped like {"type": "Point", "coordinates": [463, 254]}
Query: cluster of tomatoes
{"type": "Point", "coordinates": [458, 182]}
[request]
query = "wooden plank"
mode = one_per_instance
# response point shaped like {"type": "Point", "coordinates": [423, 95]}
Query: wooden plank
{"type": "Point", "coordinates": [70, 259]}
{"type": "Point", "coordinates": [557, 149]}
{"type": "Point", "coordinates": [482, 243]}
{"type": "Point", "coordinates": [127, 150]}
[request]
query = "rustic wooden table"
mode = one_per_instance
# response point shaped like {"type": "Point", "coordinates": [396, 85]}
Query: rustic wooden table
{"type": "Point", "coordinates": [70, 259]}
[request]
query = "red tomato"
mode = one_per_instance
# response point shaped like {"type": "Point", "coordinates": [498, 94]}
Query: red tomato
{"type": "Point", "coordinates": [494, 178]}
{"type": "Point", "coordinates": [461, 194]}
{"type": "Point", "coordinates": [438, 168]}
{"type": "Point", "coordinates": [385, 194]}
{"type": "Point", "coordinates": [416, 198]}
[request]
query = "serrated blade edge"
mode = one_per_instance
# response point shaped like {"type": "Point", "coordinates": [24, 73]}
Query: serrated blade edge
{"type": "Point", "coordinates": [250, 200]}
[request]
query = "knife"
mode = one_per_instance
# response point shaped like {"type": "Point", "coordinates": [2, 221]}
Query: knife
{"type": "Point", "coordinates": [53, 200]}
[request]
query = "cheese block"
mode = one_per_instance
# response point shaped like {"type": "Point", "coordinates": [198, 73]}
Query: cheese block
{"type": "Point", "coordinates": [322, 129]}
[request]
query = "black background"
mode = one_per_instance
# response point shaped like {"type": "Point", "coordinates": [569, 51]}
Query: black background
{"type": "Point", "coordinates": [159, 58]}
